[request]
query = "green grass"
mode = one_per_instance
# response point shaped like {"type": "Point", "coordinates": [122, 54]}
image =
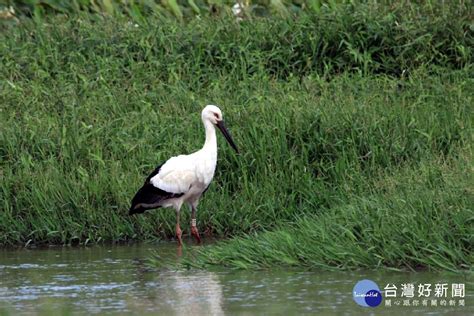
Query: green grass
{"type": "Point", "coordinates": [326, 109]}
{"type": "Point", "coordinates": [365, 39]}
{"type": "Point", "coordinates": [419, 217]}
{"type": "Point", "coordinates": [140, 10]}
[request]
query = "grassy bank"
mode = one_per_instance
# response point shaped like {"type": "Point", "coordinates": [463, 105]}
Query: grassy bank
{"type": "Point", "coordinates": [328, 110]}
{"type": "Point", "coordinates": [418, 217]}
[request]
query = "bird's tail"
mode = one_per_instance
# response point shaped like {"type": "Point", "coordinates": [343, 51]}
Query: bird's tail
{"type": "Point", "coordinates": [149, 197]}
{"type": "Point", "coordinates": [136, 210]}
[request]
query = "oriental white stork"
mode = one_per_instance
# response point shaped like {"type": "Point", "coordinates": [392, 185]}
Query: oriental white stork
{"type": "Point", "coordinates": [184, 178]}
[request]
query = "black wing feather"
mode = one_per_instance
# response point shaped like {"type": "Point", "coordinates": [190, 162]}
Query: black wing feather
{"type": "Point", "coordinates": [148, 196]}
{"type": "Point", "coordinates": [154, 173]}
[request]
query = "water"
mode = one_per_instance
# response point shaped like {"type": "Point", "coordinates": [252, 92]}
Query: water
{"type": "Point", "coordinates": [116, 279]}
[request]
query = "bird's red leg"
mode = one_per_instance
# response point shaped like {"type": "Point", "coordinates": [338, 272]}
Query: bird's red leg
{"type": "Point", "coordinates": [178, 234]}
{"type": "Point", "coordinates": [178, 230]}
{"type": "Point", "coordinates": [194, 230]}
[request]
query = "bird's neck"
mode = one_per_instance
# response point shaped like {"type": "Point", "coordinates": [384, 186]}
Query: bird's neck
{"type": "Point", "coordinates": [211, 141]}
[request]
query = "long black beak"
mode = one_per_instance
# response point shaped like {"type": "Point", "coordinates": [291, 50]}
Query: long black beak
{"type": "Point", "coordinates": [226, 134]}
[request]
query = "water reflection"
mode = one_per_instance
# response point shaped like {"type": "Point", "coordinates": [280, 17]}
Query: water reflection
{"type": "Point", "coordinates": [184, 293]}
{"type": "Point", "coordinates": [98, 280]}
{"type": "Point", "coordinates": [94, 280]}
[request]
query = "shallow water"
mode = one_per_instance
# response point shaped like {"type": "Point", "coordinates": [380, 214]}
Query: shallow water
{"type": "Point", "coordinates": [116, 279]}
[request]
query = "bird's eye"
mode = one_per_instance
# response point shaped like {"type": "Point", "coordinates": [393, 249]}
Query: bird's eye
{"type": "Point", "coordinates": [216, 115]}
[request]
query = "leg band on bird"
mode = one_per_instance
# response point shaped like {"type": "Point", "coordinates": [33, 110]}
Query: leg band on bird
{"type": "Point", "coordinates": [193, 222]}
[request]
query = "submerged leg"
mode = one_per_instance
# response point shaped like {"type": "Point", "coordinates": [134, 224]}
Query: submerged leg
{"type": "Point", "coordinates": [194, 230]}
{"type": "Point", "coordinates": [178, 229]}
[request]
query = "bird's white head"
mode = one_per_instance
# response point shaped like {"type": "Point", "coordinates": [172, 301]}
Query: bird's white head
{"type": "Point", "coordinates": [211, 113]}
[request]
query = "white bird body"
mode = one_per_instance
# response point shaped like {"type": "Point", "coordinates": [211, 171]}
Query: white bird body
{"type": "Point", "coordinates": [184, 178]}
{"type": "Point", "coordinates": [189, 174]}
